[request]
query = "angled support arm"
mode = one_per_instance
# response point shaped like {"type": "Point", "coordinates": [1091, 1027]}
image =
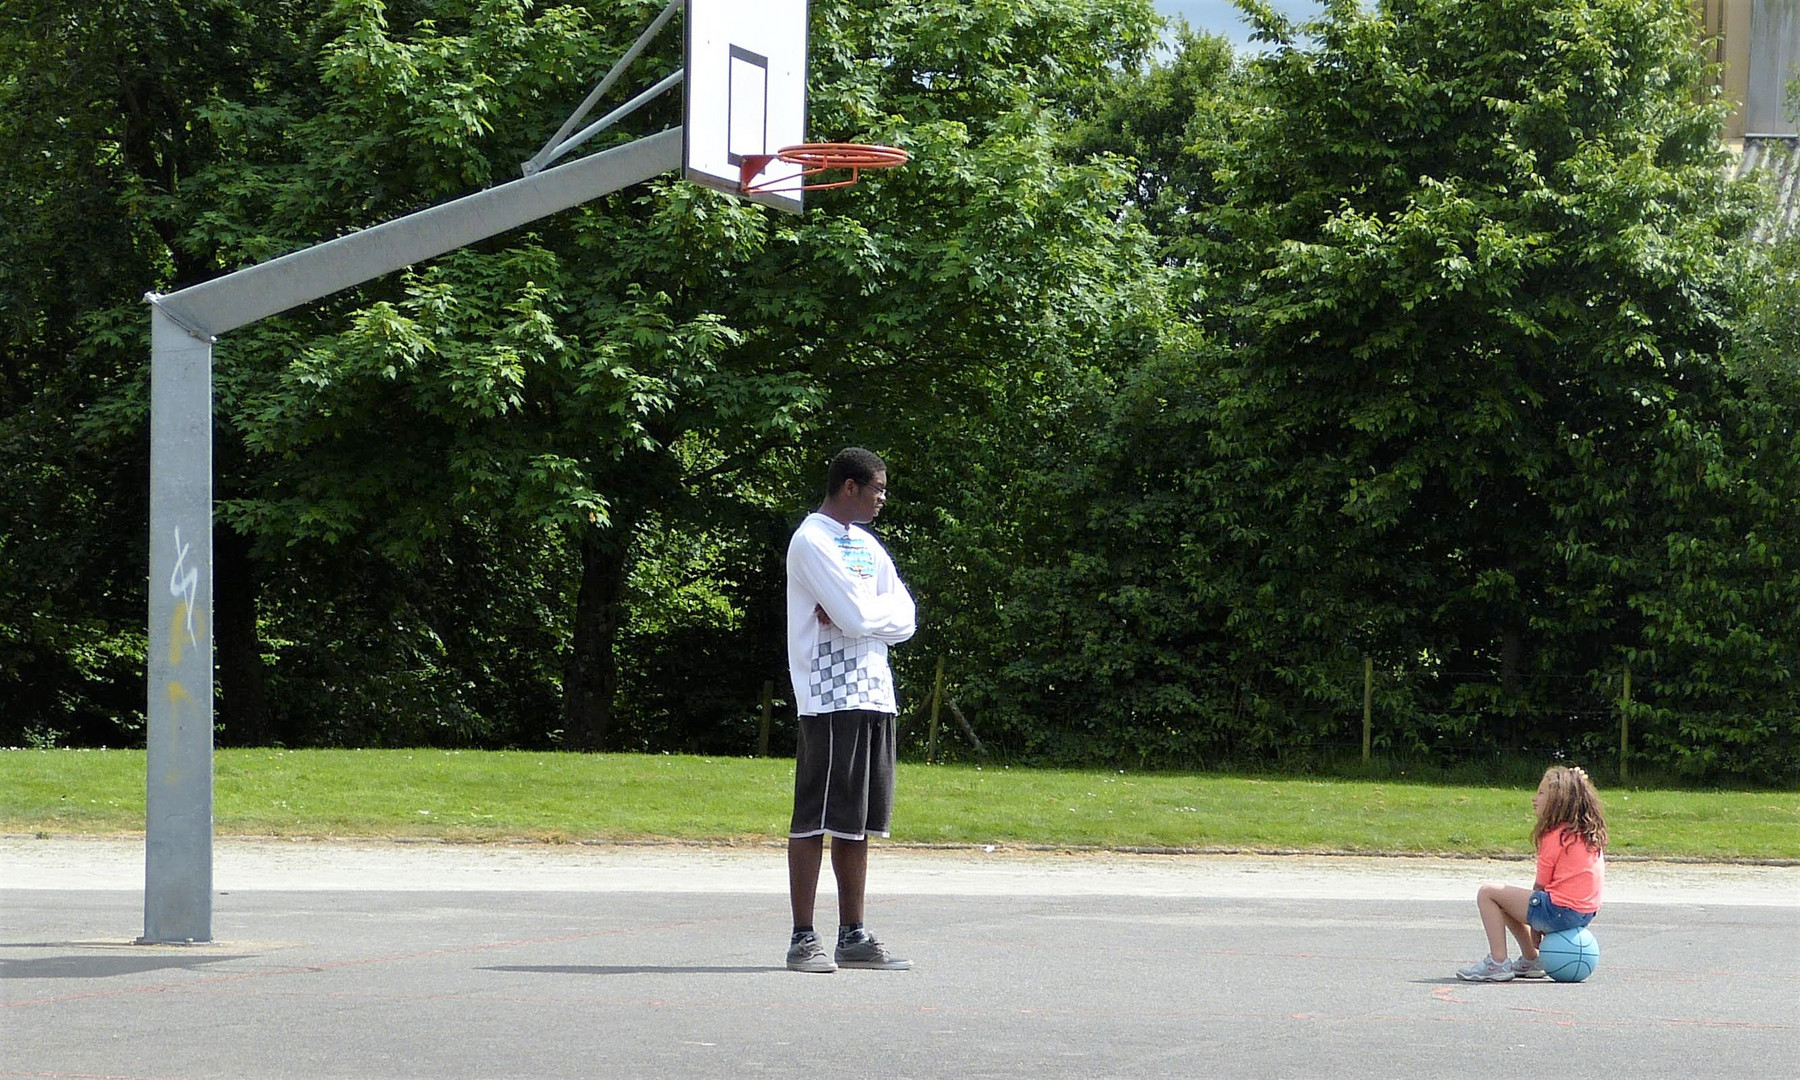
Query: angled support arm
{"type": "Point", "coordinates": [556, 147]}
{"type": "Point", "coordinates": [256, 292]}
{"type": "Point", "coordinates": [178, 818]}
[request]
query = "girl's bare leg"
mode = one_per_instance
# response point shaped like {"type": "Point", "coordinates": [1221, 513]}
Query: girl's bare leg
{"type": "Point", "coordinates": [1503, 908]}
{"type": "Point", "coordinates": [1524, 935]}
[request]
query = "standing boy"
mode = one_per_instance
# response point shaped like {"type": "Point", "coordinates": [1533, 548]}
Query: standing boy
{"type": "Point", "coordinates": [845, 606]}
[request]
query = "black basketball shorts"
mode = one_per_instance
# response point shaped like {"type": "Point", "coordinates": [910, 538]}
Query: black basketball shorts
{"type": "Point", "coordinates": [844, 775]}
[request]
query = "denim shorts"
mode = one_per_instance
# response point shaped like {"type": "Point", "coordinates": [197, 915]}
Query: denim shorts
{"type": "Point", "coordinates": [1546, 916]}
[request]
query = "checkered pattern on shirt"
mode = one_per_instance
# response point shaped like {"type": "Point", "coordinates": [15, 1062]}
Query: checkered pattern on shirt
{"type": "Point", "coordinates": [842, 677]}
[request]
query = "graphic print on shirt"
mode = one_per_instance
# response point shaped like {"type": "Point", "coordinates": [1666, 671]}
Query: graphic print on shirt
{"type": "Point", "coordinates": [842, 679]}
{"type": "Point", "coordinates": [858, 558]}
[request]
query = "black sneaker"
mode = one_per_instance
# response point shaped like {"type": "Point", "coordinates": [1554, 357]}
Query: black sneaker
{"type": "Point", "coordinates": [863, 951]}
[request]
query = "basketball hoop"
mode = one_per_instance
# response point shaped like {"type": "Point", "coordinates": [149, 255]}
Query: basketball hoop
{"type": "Point", "coordinates": [815, 158]}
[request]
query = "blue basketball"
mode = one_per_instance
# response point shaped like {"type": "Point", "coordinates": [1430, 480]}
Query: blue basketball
{"type": "Point", "coordinates": [1569, 955]}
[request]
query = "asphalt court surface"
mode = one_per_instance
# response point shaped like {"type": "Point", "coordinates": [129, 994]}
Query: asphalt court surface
{"type": "Point", "coordinates": [378, 961]}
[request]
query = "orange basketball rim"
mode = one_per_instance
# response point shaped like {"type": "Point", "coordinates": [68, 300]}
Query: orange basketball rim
{"type": "Point", "coordinates": [816, 158]}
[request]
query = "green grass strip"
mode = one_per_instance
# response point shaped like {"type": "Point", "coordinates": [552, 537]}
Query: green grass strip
{"type": "Point", "coordinates": [468, 795]}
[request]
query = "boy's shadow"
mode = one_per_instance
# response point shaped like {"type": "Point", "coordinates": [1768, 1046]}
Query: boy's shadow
{"type": "Point", "coordinates": [633, 969]}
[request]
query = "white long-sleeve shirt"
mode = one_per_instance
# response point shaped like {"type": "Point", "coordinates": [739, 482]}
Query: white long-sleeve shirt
{"type": "Point", "coordinates": [844, 570]}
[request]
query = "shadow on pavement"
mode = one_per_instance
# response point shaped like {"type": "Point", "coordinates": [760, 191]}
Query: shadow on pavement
{"type": "Point", "coordinates": [564, 969]}
{"type": "Point", "coordinates": [99, 967]}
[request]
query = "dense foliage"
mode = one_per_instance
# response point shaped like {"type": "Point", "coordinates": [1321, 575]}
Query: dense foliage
{"type": "Point", "coordinates": [1427, 337]}
{"type": "Point", "coordinates": [488, 499]}
{"type": "Point", "coordinates": [1462, 403]}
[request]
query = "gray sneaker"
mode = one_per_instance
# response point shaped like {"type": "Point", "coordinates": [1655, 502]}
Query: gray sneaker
{"type": "Point", "coordinates": [1528, 969]}
{"type": "Point", "coordinates": [1486, 969]}
{"type": "Point", "coordinates": [807, 953]}
{"type": "Point", "coordinates": [863, 951]}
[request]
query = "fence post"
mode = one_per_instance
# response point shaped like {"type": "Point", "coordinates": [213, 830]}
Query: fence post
{"type": "Point", "coordinates": [937, 699]}
{"type": "Point", "coordinates": [762, 737]}
{"type": "Point", "coordinates": [963, 722]}
{"type": "Point", "coordinates": [1625, 728]}
{"type": "Point", "coordinates": [1368, 703]}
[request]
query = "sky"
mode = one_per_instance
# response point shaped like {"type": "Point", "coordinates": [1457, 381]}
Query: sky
{"type": "Point", "coordinates": [1223, 18]}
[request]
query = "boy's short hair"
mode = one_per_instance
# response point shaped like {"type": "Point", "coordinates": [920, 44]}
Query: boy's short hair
{"type": "Point", "coordinates": [852, 463]}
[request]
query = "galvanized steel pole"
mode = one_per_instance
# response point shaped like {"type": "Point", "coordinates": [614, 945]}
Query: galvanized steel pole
{"type": "Point", "coordinates": [179, 771]}
{"type": "Point", "coordinates": [178, 774]}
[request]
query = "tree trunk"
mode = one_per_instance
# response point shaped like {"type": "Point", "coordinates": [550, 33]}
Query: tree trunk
{"type": "Point", "coordinates": [591, 675]}
{"type": "Point", "coordinates": [1512, 659]}
{"type": "Point", "coordinates": [243, 689]}
{"type": "Point", "coordinates": [1512, 685]}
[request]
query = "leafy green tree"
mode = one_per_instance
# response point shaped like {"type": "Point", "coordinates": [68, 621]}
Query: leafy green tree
{"type": "Point", "coordinates": [434, 484]}
{"type": "Point", "coordinates": [1161, 116]}
{"type": "Point", "coordinates": [99, 109]}
{"type": "Point", "coordinates": [1459, 400]}
{"type": "Point", "coordinates": [1490, 306]}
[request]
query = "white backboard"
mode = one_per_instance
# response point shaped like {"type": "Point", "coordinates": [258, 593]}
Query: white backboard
{"type": "Point", "coordinates": [746, 93]}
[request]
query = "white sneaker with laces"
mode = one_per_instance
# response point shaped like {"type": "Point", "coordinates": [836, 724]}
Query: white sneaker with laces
{"type": "Point", "coordinates": [1486, 969]}
{"type": "Point", "coordinates": [1528, 969]}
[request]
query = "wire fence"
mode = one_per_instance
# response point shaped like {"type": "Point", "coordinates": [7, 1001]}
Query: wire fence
{"type": "Point", "coordinates": [1392, 719]}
